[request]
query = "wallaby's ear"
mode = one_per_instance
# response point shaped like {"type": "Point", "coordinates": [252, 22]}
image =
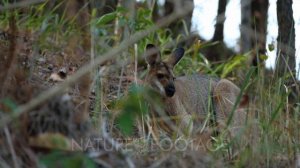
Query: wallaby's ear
{"type": "Point", "coordinates": [176, 56]}
{"type": "Point", "coordinates": [152, 54]}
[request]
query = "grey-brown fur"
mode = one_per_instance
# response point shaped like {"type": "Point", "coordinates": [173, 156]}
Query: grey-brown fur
{"type": "Point", "coordinates": [191, 97]}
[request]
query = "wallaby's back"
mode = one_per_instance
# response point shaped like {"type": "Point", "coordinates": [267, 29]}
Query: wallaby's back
{"type": "Point", "coordinates": [198, 95]}
{"type": "Point", "coordinates": [194, 92]}
{"type": "Point", "coordinates": [190, 98]}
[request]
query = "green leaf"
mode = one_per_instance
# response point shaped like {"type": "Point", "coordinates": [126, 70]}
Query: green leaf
{"type": "Point", "coordinates": [133, 105]}
{"type": "Point", "coordinates": [106, 18]}
{"type": "Point", "coordinates": [271, 47]}
{"type": "Point", "coordinates": [263, 57]}
{"type": "Point", "coordinates": [231, 65]}
{"type": "Point", "coordinates": [125, 123]}
{"type": "Point", "coordinates": [275, 113]}
{"type": "Point", "coordinates": [121, 9]}
{"type": "Point", "coordinates": [41, 7]}
{"type": "Point", "coordinates": [10, 104]}
{"type": "Point", "coordinates": [61, 159]}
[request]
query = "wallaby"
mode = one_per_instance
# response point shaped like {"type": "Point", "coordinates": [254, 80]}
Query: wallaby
{"type": "Point", "coordinates": [191, 98]}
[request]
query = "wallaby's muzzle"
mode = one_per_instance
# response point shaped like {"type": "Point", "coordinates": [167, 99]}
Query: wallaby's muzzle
{"type": "Point", "coordinates": [170, 90]}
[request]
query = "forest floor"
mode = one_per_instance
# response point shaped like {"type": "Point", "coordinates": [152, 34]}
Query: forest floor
{"type": "Point", "coordinates": [48, 120]}
{"type": "Point", "coordinates": [51, 137]}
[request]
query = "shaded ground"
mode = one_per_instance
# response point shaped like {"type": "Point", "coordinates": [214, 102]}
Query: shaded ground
{"type": "Point", "coordinates": [51, 135]}
{"type": "Point", "coordinates": [51, 126]}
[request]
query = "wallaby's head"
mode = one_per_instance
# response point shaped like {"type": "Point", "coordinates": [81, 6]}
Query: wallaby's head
{"type": "Point", "coordinates": [160, 75]}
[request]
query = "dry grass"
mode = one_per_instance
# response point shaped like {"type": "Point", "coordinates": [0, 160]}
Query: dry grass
{"type": "Point", "coordinates": [39, 114]}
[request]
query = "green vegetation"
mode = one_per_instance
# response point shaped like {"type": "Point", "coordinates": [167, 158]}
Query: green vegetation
{"type": "Point", "coordinates": [269, 138]}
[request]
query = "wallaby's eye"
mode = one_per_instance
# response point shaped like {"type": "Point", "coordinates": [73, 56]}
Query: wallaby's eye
{"type": "Point", "coordinates": [160, 76]}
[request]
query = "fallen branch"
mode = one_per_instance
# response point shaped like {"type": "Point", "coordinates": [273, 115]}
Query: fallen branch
{"type": "Point", "coordinates": [44, 96]}
{"type": "Point", "coordinates": [11, 147]}
{"type": "Point", "coordinates": [20, 4]}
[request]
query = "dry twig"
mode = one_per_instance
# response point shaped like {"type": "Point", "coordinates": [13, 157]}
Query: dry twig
{"type": "Point", "coordinates": [20, 4]}
{"type": "Point", "coordinates": [44, 96]}
{"type": "Point", "coordinates": [11, 147]}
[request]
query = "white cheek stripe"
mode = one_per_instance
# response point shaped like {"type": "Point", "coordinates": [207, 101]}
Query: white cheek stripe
{"type": "Point", "coordinates": [160, 87]}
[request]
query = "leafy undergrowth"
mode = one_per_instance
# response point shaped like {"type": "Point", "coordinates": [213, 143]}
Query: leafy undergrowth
{"type": "Point", "coordinates": [117, 132]}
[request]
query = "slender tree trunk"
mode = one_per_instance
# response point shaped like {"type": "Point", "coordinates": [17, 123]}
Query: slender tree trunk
{"type": "Point", "coordinates": [245, 26]}
{"type": "Point", "coordinates": [219, 27]}
{"type": "Point", "coordinates": [219, 51]}
{"type": "Point", "coordinates": [254, 28]}
{"type": "Point", "coordinates": [286, 38]}
{"type": "Point", "coordinates": [286, 60]}
{"type": "Point", "coordinates": [75, 55]}
{"type": "Point", "coordinates": [169, 7]}
{"type": "Point", "coordinates": [259, 12]}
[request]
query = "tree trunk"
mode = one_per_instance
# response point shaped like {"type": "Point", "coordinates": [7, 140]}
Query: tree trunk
{"type": "Point", "coordinates": [254, 28]}
{"type": "Point", "coordinates": [219, 27]}
{"type": "Point", "coordinates": [259, 13]}
{"type": "Point", "coordinates": [245, 26]}
{"type": "Point", "coordinates": [77, 52]}
{"type": "Point", "coordinates": [219, 51]}
{"type": "Point", "coordinates": [286, 59]}
{"type": "Point", "coordinates": [285, 62]}
{"type": "Point", "coordinates": [169, 7]}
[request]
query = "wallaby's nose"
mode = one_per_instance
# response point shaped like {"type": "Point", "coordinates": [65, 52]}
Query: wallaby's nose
{"type": "Point", "coordinates": [170, 90]}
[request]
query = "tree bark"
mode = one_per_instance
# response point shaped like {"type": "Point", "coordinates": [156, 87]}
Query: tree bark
{"type": "Point", "coordinates": [219, 27]}
{"type": "Point", "coordinates": [259, 13]}
{"type": "Point", "coordinates": [219, 51]}
{"type": "Point", "coordinates": [245, 26]}
{"type": "Point", "coordinates": [286, 59]}
{"type": "Point", "coordinates": [254, 29]}
{"type": "Point", "coordinates": [169, 7]}
{"type": "Point", "coordinates": [77, 52]}
{"type": "Point", "coordinates": [285, 62]}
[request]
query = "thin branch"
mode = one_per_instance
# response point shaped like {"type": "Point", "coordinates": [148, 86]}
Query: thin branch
{"type": "Point", "coordinates": [113, 53]}
{"type": "Point", "coordinates": [11, 147]}
{"type": "Point", "coordinates": [20, 4]}
{"type": "Point", "coordinates": [3, 163]}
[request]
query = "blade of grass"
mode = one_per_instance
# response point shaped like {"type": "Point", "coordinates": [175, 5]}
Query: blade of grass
{"type": "Point", "coordinates": [237, 102]}
{"type": "Point", "coordinates": [44, 96]}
